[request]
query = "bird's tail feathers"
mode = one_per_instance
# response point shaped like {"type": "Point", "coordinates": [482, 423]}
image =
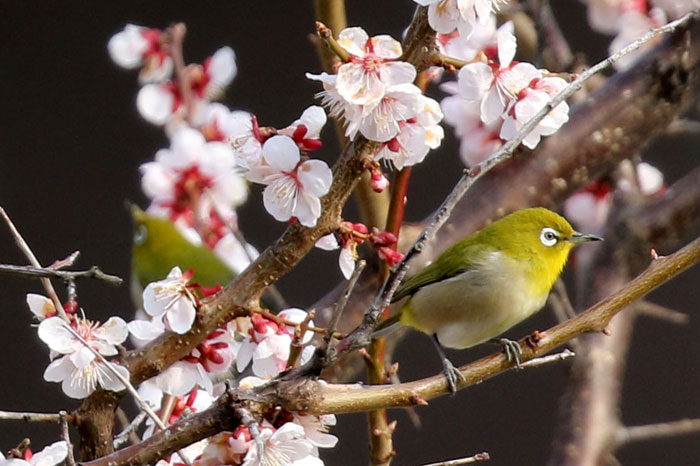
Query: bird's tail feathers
{"type": "Point", "coordinates": [387, 326]}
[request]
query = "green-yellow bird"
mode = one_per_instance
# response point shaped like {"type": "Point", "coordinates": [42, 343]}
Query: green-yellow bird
{"type": "Point", "coordinates": [158, 247]}
{"type": "Point", "coordinates": [487, 282]}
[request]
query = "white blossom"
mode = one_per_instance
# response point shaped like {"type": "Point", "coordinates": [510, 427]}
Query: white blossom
{"type": "Point", "coordinates": [171, 300]}
{"type": "Point", "coordinates": [294, 187]}
{"type": "Point", "coordinates": [79, 370]}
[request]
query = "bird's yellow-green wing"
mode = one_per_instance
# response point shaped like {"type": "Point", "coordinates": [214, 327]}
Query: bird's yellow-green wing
{"type": "Point", "coordinates": [454, 261]}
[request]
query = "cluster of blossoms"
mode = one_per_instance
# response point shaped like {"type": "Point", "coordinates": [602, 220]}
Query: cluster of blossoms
{"type": "Point", "coordinates": [74, 363]}
{"type": "Point", "coordinates": [373, 92]}
{"type": "Point", "coordinates": [628, 20]}
{"type": "Point", "coordinates": [262, 345]}
{"type": "Point", "coordinates": [510, 93]}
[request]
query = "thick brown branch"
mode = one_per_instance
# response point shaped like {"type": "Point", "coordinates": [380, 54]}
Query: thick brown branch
{"type": "Point", "coordinates": [218, 418]}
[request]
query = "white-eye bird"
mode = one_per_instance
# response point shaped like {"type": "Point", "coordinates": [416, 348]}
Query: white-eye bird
{"type": "Point", "coordinates": [487, 283]}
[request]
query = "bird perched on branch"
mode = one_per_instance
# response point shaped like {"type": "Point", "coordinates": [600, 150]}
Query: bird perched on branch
{"type": "Point", "coordinates": [487, 283]}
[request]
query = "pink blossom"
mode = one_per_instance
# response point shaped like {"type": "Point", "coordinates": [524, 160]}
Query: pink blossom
{"type": "Point", "coordinates": [294, 187]}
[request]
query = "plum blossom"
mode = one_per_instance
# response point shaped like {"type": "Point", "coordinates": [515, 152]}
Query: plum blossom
{"type": "Point", "coordinates": [444, 16]}
{"type": "Point", "coordinates": [41, 306]}
{"type": "Point", "coordinates": [416, 136]}
{"type": "Point", "coordinates": [172, 301]}
{"type": "Point", "coordinates": [382, 122]}
{"type": "Point", "coordinates": [306, 131]}
{"type": "Point", "coordinates": [294, 187]}
{"type": "Point", "coordinates": [372, 67]}
{"type": "Point", "coordinates": [193, 179]}
{"type": "Point", "coordinates": [483, 39]}
{"type": "Point", "coordinates": [221, 124]}
{"type": "Point", "coordinates": [79, 370]}
{"type": "Point", "coordinates": [348, 254]}
{"type": "Point", "coordinates": [330, 98]}
{"type": "Point", "coordinates": [285, 445]}
{"type": "Point", "coordinates": [136, 46]}
{"type": "Point", "coordinates": [267, 344]}
{"type": "Point", "coordinates": [512, 92]}
{"type": "Point", "coordinates": [530, 100]}
{"type": "Point", "coordinates": [316, 429]}
{"type": "Point", "coordinates": [477, 140]}
{"type": "Point", "coordinates": [52, 455]}
{"type": "Point", "coordinates": [157, 103]}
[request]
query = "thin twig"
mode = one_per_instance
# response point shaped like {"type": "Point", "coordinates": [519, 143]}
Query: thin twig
{"type": "Point", "coordinates": [468, 460]}
{"type": "Point", "coordinates": [24, 247]}
{"type": "Point", "coordinates": [48, 272]}
{"type": "Point", "coordinates": [124, 435]}
{"type": "Point", "coordinates": [251, 423]}
{"type": "Point", "coordinates": [297, 345]}
{"type": "Point", "coordinates": [29, 417]}
{"type": "Point", "coordinates": [340, 307]}
{"type": "Point", "coordinates": [566, 354]}
{"type": "Point", "coordinates": [661, 312]}
{"type": "Point", "coordinates": [65, 434]}
{"type": "Point", "coordinates": [660, 430]}
{"type": "Point", "coordinates": [177, 34]}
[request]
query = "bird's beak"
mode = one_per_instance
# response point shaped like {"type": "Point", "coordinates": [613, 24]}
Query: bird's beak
{"type": "Point", "coordinates": [583, 237]}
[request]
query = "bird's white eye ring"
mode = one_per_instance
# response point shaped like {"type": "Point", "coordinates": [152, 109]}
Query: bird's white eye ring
{"type": "Point", "coordinates": [549, 236]}
{"type": "Point", "coordinates": [140, 234]}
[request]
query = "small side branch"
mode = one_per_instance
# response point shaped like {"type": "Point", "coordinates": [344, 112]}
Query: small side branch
{"type": "Point", "coordinates": [660, 430]}
{"type": "Point", "coordinates": [47, 272]}
{"type": "Point", "coordinates": [31, 417]}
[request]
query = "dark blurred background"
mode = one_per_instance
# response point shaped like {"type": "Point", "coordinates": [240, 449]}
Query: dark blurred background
{"type": "Point", "coordinates": [71, 142]}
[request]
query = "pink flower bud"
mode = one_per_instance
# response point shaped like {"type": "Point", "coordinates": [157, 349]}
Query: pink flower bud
{"type": "Point", "coordinates": [384, 238]}
{"type": "Point", "coordinates": [389, 255]}
{"type": "Point", "coordinates": [378, 182]}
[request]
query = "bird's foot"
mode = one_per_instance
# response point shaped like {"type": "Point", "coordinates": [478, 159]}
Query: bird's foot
{"type": "Point", "coordinates": [452, 374]}
{"type": "Point", "coordinates": [511, 348]}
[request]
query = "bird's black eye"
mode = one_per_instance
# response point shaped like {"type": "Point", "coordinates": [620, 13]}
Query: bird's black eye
{"type": "Point", "coordinates": [140, 234]}
{"type": "Point", "coordinates": [549, 236]}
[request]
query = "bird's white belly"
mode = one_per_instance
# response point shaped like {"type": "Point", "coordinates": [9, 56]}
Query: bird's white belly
{"type": "Point", "coordinates": [473, 307]}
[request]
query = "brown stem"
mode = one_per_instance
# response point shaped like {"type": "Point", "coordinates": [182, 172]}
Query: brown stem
{"type": "Point", "coordinates": [177, 35]}
{"type": "Point", "coordinates": [380, 433]}
{"type": "Point", "coordinates": [184, 432]}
